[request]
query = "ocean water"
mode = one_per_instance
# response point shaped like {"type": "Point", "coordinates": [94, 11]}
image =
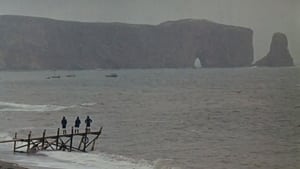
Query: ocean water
{"type": "Point", "coordinates": [241, 118]}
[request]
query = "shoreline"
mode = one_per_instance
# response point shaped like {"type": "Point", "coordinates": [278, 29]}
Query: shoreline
{"type": "Point", "coordinates": [8, 165]}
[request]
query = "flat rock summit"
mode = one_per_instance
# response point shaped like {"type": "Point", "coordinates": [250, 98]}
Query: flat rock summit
{"type": "Point", "coordinates": [40, 43]}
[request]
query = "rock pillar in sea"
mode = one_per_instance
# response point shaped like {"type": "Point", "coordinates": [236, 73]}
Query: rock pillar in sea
{"type": "Point", "coordinates": [279, 54]}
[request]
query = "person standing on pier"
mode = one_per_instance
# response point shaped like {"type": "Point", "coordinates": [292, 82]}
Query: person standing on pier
{"type": "Point", "coordinates": [88, 122]}
{"type": "Point", "coordinates": [77, 124]}
{"type": "Point", "coordinates": [64, 124]}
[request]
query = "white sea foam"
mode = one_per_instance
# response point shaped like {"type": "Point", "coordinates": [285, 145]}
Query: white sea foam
{"type": "Point", "coordinates": [166, 164]}
{"type": "Point", "coordinates": [77, 160]}
{"type": "Point", "coordinates": [71, 160]}
{"type": "Point", "coordinates": [87, 104]}
{"type": "Point", "coordinates": [8, 107]}
{"type": "Point", "coordinates": [5, 136]}
{"type": "Point", "coordinates": [7, 147]}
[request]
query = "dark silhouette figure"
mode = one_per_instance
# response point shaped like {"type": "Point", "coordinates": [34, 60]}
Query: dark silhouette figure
{"type": "Point", "coordinates": [77, 124]}
{"type": "Point", "coordinates": [88, 122]}
{"type": "Point", "coordinates": [64, 124]}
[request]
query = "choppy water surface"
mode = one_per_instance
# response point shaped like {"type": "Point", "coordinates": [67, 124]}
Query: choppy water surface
{"type": "Point", "coordinates": [241, 118]}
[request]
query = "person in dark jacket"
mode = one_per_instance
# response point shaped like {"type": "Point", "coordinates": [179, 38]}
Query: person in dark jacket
{"type": "Point", "coordinates": [77, 124]}
{"type": "Point", "coordinates": [88, 122]}
{"type": "Point", "coordinates": [64, 124]}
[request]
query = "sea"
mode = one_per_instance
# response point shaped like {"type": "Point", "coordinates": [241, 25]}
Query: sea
{"type": "Point", "coordinates": [231, 118]}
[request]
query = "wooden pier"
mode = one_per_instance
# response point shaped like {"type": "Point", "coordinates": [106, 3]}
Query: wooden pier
{"type": "Point", "coordinates": [81, 142]}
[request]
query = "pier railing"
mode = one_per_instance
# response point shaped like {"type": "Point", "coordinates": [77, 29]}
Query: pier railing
{"type": "Point", "coordinates": [64, 142]}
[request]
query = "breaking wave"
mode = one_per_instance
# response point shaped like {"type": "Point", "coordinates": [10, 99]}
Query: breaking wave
{"type": "Point", "coordinates": [8, 107]}
{"type": "Point", "coordinates": [75, 160]}
{"type": "Point", "coordinates": [70, 160]}
{"type": "Point", "coordinates": [78, 160]}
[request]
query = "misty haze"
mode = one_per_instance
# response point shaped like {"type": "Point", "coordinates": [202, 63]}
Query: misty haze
{"type": "Point", "coordinates": [149, 84]}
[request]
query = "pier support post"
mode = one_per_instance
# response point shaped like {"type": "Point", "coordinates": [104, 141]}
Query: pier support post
{"type": "Point", "coordinates": [71, 139]}
{"type": "Point", "coordinates": [94, 142]}
{"type": "Point", "coordinates": [85, 139]}
{"type": "Point", "coordinates": [15, 142]}
{"type": "Point", "coordinates": [43, 140]}
{"type": "Point", "coordinates": [28, 142]}
{"type": "Point", "coordinates": [57, 136]}
{"type": "Point", "coordinates": [93, 146]}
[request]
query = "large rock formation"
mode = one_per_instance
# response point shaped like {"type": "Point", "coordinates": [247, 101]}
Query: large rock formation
{"type": "Point", "coordinates": [279, 54]}
{"type": "Point", "coordinates": [39, 43]}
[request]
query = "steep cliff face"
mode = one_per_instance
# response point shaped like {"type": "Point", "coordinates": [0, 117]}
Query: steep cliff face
{"type": "Point", "coordinates": [39, 43]}
{"type": "Point", "coordinates": [279, 54]}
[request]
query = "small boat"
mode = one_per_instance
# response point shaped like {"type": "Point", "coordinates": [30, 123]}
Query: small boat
{"type": "Point", "coordinates": [56, 76]}
{"type": "Point", "coordinates": [71, 75]}
{"type": "Point", "coordinates": [53, 77]}
{"type": "Point", "coordinates": [111, 75]}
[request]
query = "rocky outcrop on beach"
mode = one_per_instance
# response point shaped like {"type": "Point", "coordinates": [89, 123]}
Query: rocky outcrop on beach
{"type": "Point", "coordinates": [40, 43]}
{"type": "Point", "coordinates": [279, 54]}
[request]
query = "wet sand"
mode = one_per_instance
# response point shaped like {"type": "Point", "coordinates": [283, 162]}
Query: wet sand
{"type": "Point", "coordinates": [7, 165]}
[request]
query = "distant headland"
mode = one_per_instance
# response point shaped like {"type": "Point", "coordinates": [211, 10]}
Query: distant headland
{"type": "Point", "coordinates": [33, 43]}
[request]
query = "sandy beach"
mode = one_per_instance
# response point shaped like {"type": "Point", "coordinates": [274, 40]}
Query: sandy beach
{"type": "Point", "coordinates": [6, 165]}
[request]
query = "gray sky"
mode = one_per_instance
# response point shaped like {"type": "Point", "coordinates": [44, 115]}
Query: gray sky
{"type": "Point", "coordinates": [264, 16]}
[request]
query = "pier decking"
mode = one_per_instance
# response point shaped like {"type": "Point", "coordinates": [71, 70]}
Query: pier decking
{"type": "Point", "coordinates": [59, 142]}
